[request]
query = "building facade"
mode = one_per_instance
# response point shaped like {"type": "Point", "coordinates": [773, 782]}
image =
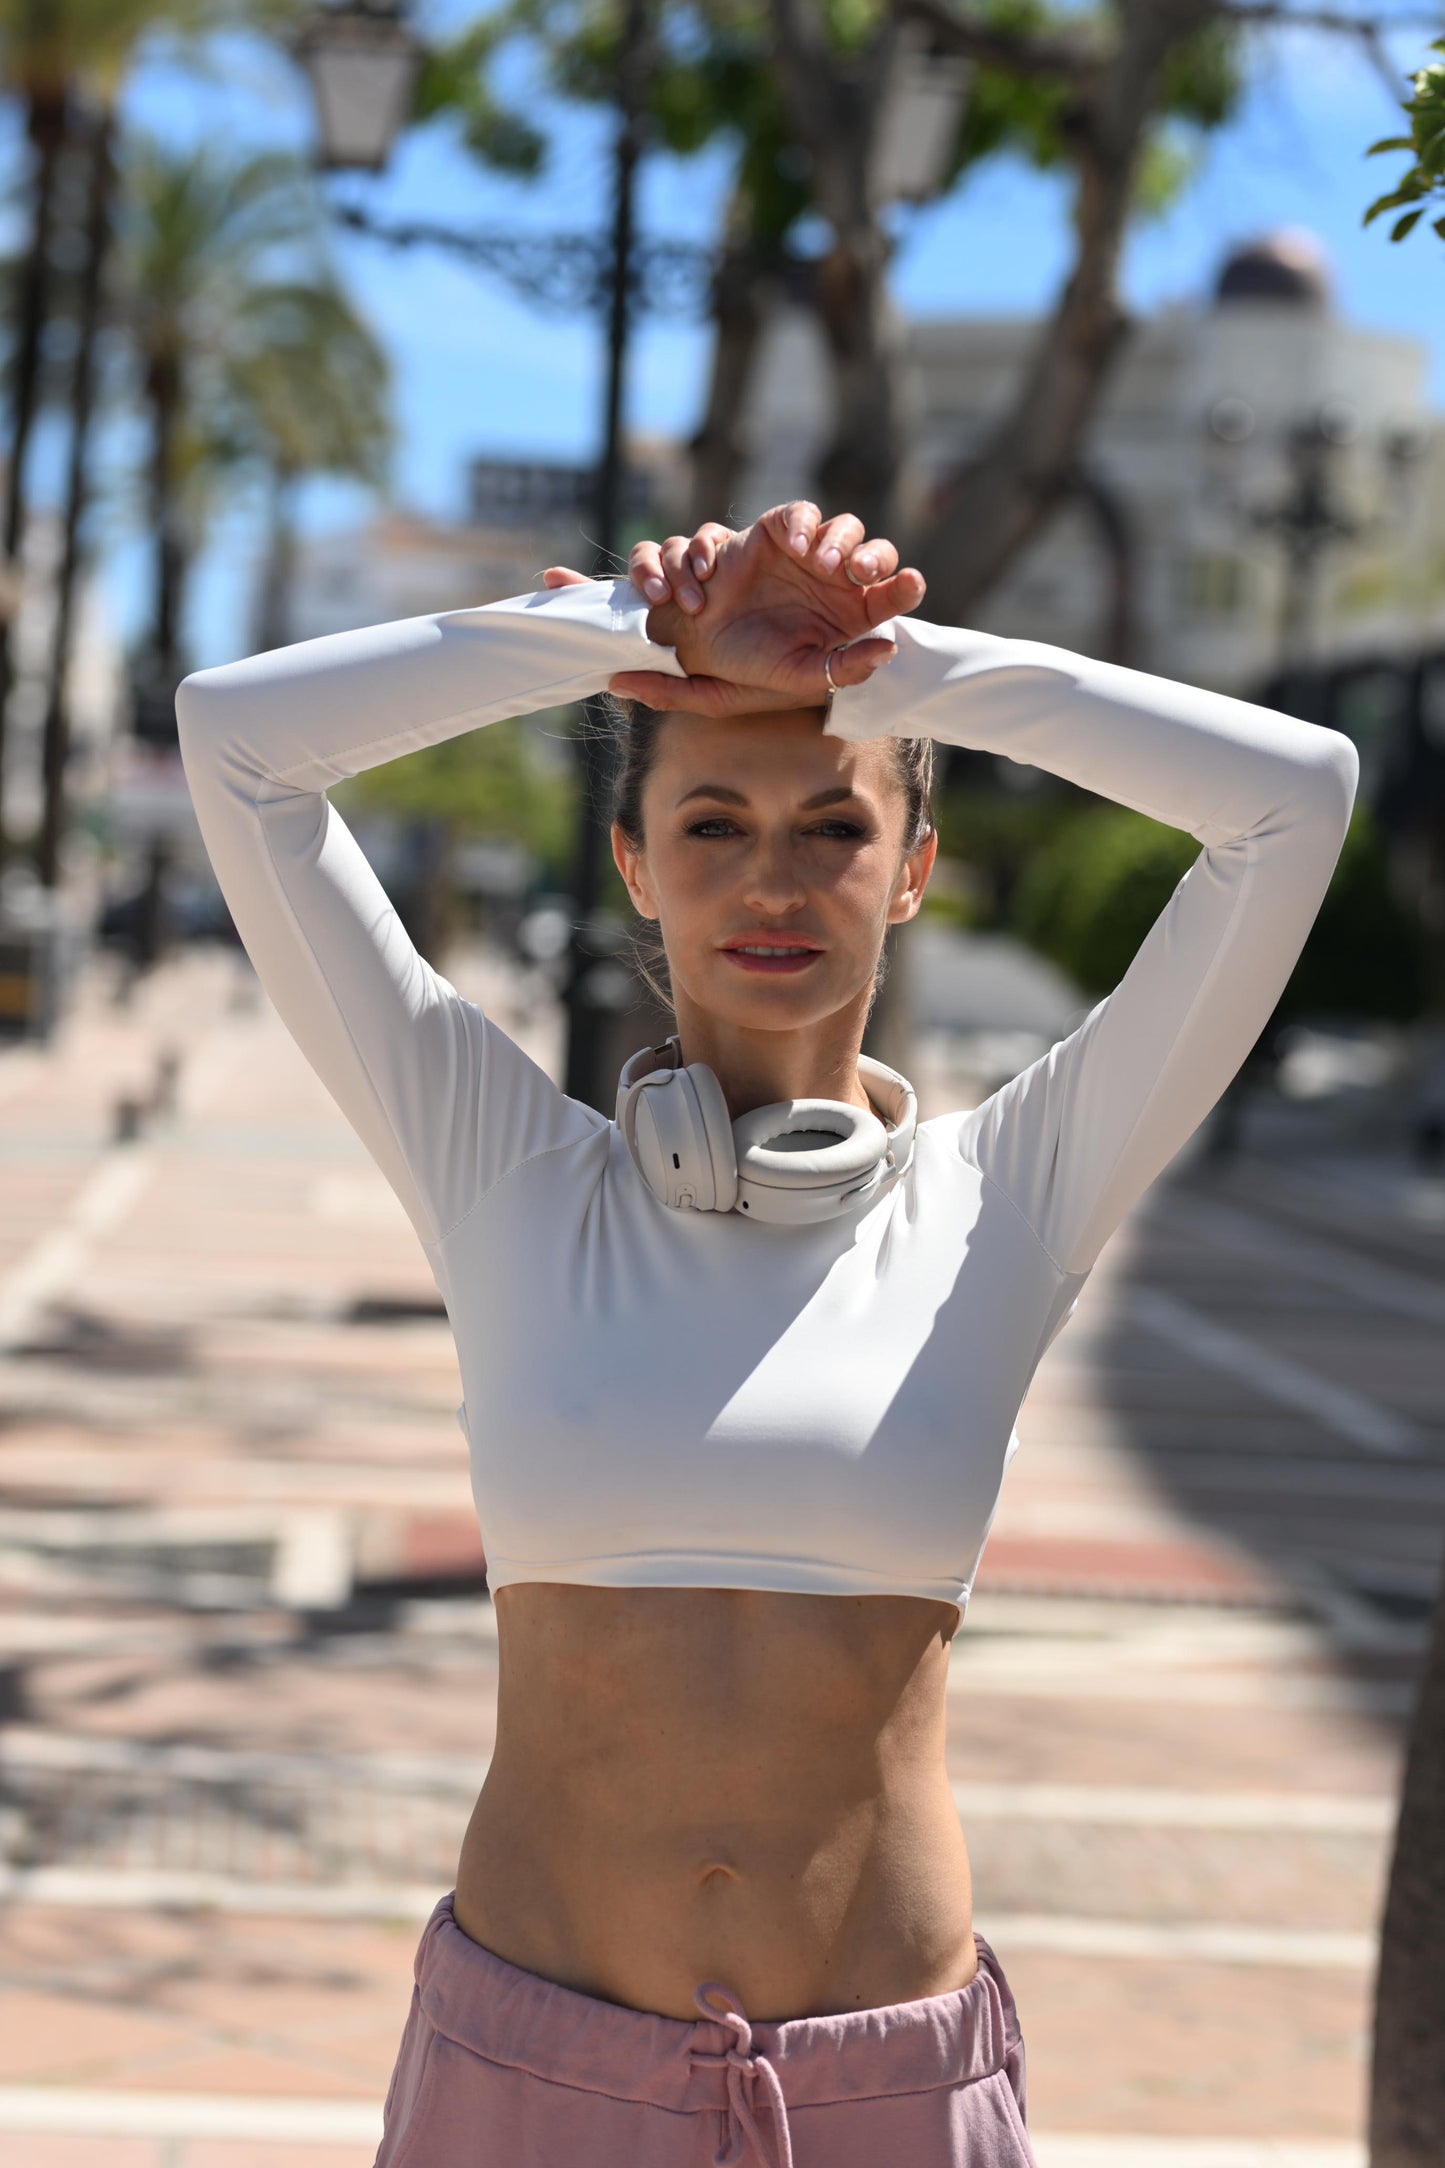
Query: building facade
{"type": "Point", "coordinates": [1227, 432]}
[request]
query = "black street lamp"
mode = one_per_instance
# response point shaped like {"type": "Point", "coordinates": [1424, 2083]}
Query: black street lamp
{"type": "Point", "coordinates": [362, 59]}
{"type": "Point", "coordinates": [592, 973]}
{"type": "Point", "coordinates": [1309, 517]}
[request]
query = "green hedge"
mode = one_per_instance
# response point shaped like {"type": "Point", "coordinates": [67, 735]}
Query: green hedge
{"type": "Point", "coordinates": [1088, 897]}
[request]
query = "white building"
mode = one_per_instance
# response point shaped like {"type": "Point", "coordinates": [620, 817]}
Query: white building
{"type": "Point", "coordinates": [1191, 443]}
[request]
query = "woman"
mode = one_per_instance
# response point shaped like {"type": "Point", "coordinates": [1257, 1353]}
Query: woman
{"type": "Point", "coordinates": [742, 1368]}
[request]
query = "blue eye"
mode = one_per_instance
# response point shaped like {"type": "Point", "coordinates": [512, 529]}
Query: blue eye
{"type": "Point", "coordinates": [716, 824]}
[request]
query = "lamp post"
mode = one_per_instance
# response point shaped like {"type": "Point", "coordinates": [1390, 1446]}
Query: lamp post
{"type": "Point", "coordinates": [1310, 516]}
{"type": "Point", "coordinates": [591, 978]}
{"type": "Point", "coordinates": [362, 59]}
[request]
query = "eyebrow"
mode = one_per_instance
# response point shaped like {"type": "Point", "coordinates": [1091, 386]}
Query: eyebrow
{"type": "Point", "coordinates": [729, 796]}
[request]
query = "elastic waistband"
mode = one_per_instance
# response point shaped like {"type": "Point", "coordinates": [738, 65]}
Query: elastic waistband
{"type": "Point", "coordinates": [517, 2019]}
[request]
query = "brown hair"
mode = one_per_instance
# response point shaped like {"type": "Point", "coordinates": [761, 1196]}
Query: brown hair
{"type": "Point", "coordinates": [635, 732]}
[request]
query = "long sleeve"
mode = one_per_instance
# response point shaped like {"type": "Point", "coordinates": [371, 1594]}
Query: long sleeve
{"type": "Point", "coordinates": [1076, 1138]}
{"type": "Point", "coordinates": [444, 1101]}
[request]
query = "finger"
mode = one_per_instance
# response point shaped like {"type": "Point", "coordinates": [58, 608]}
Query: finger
{"type": "Point", "coordinates": [677, 572]}
{"type": "Point", "coordinates": [793, 526]}
{"type": "Point", "coordinates": [835, 540]}
{"type": "Point", "coordinates": [705, 695]}
{"type": "Point", "coordinates": [705, 544]}
{"type": "Point", "coordinates": [675, 695]}
{"type": "Point", "coordinates": [855, 664]}
{"type": "Point", "coordinates": [644, 569]}
{"type": "Point", "coordinates": [563, 576]}
{"type": "Point", "coordinates": [872, 560]}
{"type": "Point", "coordinates": [894, 597]}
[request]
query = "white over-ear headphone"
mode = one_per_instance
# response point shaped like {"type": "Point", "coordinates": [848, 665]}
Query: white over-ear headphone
{"type": "Point", "coordinates": [797, 1161]}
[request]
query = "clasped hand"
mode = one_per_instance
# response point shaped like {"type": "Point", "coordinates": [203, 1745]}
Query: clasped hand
{"type": "Point", "coordinates": [755, 615]}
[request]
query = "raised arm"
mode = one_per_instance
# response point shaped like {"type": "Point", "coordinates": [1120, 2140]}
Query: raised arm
{"type": "Point", "coordinates": [443, 1100]}
{"type": "Point", "coordinates": [1077, 1137]}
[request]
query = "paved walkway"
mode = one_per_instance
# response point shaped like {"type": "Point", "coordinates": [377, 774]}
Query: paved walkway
{"type": "Point", "coordinates": [247, 1686]}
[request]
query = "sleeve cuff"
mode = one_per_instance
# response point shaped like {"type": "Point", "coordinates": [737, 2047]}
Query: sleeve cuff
{"type": "Point", "coordinates": [629, 612]}
{"type": "Point", "coordinates": [878, 708]}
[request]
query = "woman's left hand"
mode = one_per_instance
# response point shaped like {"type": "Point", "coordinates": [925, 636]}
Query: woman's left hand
{"type": "Point", "coordinates": [793, 608]}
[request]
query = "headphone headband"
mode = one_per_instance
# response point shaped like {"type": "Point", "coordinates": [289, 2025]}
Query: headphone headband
{"type": "Point", "coordinates": [675, 1123]}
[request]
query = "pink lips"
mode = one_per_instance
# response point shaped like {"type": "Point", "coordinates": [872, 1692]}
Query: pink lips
{"type": "Point", "coordinates": [773, 954]}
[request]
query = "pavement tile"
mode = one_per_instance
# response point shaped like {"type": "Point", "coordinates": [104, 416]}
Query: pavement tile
{"type": "Point", "coordinates": [74, 2039]}
{"type": "Point", "coordinates": [47, 2149]}
{"type": "Point", "coordinates": [1177, 2051]}
{"type": "Point", "coordinates": [251, 2153]}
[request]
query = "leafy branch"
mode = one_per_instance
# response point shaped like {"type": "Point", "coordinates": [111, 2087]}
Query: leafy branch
{"type": "Point", "coordinates": [1423, 180]}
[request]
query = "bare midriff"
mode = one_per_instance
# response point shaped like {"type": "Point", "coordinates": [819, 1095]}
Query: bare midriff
{"type": "Point", "coordinates": [714, 1784]}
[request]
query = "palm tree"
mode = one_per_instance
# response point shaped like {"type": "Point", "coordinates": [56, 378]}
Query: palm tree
{"type": "Point", "coordinates": [199, 235]}
{"type": "Point", "coordinates": [306, 392]}
{"type": "Point", "coordinates": [48, 48]}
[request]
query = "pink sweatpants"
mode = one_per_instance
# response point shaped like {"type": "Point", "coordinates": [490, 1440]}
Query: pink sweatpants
{"type": "Point", "coordinates": [501, 2069]}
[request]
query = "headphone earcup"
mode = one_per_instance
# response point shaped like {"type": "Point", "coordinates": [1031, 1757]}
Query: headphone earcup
{"type": "Point", "coordinates": [801, 1159]}
{"type": "Point", "coordinates": [678, 1127]}
{"type": "Point", "coordinates": [717, 1128]}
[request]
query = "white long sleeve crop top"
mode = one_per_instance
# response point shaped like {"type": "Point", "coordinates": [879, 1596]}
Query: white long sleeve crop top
{"type": "Point", "coordinates": [663, 1398]}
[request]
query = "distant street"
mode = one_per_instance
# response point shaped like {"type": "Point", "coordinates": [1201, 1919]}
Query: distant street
{"type": "Point", "coordinates": [247, 1676]}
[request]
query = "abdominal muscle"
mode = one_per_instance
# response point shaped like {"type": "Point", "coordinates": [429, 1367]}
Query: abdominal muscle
{"type": "Point", "coordinates": [712, 1784]}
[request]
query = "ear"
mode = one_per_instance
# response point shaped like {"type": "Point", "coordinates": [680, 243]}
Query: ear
{"type": "Point", "coordinates": [912, 881]}
{"type": "Point", "coordinates": [631, 863]}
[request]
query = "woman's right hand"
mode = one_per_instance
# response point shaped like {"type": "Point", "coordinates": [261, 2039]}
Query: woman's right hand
{"type": "Point", "coordinates": [783, 598]}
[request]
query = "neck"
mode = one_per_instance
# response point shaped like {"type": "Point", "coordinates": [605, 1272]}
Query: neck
{"type": "Point", "coordinates": [758, 1068]}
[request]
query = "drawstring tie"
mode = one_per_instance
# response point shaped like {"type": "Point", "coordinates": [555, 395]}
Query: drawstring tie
{"type": "Point", "coordinates": [746, 2071]}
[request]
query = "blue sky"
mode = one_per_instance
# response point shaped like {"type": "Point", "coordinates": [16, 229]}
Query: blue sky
{"type": "Point", "coordinates": [477, 370]}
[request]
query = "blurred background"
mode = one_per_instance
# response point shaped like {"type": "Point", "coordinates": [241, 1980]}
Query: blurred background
{"type": "Point", "coordinates": [316, 316]}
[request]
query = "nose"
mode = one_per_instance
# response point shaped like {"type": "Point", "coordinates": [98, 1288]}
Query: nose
{"type": "Point", "coordinates": [774, 884]}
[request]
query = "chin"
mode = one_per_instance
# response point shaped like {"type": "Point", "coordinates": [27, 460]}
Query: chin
{"type": "Point", "coordinates": [771, 1005]}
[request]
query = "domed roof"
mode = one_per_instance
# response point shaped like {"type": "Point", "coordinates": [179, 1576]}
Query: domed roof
{"type": "Point", "coordinates": [1289, 266]}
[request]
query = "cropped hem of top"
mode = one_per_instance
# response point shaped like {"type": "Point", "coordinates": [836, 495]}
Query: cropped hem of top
{"type": "Point", "coordinates": [718, 1569]}
{"type": "Point", "coordinates": [656, 1397]}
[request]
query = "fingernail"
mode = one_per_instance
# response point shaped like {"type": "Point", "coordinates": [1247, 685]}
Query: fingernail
{"type": "Point", "coordinates": [830, 557]}
{"type": "Point", "coordinates": [691, 599]}
{"type": "Point", "coordinates": [867, 566]}
{"type": "Point", "coordinates": [656, 588]}
{"type": "Point", "coordinates": [699, 566]}
{"type": "Point", "coordinates": [798, 542]}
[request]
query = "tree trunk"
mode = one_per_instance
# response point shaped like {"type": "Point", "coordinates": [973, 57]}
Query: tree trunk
{"type": "Point", "coordinates": [164, 387]}
{"type": "Point", "coordinates": [988, 513]}
{"type": "Point", "coordinates": [863, 467]}
{"type": "Point", "coordinates": [834, 104]}
{"type": "Point", "coordinates": [1109, 516]}
{"type": "Point", "coordinates": [45, 129]}
{"type": "Point", "coordinates": [82, 403]}
{"type": "Point", "coordinates": [1407, 2086]}
{"type": "Point", "coordinates": [738, 318]}
{"type": "Point", "coordinates": [273, 624]}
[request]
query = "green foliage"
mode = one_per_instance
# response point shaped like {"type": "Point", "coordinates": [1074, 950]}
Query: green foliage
{"type": "Point", "coordinates": [997, 833]}
{"type": "Point", "coordinates": [454, 79]}
{"type": "Point", "coordinates": [1366, 955]}
{"type": "Point", "coordinates": [711, 75]}
{"type": "Point", "coordinates": [1024, 114]}
{"type": "Point", "coordinates": [489, 783]}
{"type": "Point", "coordinates": [1033, 116]}
{"type": "Point", "coordinates": [304, 386]}
{"type": "Point", "coordinates": [1089, 897]}
{"type": "Point", "coordinates": [1423, 180]}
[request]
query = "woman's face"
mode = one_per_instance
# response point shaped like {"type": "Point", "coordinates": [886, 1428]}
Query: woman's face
{"type": "Point", "coordinates": [773, 862]}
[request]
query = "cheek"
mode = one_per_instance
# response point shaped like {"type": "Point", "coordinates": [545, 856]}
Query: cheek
{"type": "Point", "coordinates": [689, 886]}
{"type": "Point", "coordinates": [858, 889]}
